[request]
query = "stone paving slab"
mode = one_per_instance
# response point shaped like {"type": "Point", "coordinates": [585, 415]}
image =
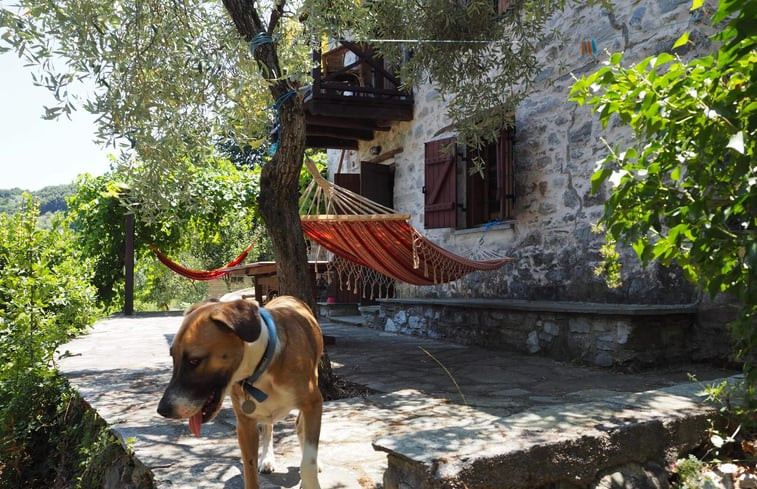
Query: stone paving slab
{"type": "Point", "coordinates": [122, 366]}
{"type": "Point", "coordinates": [549, 444]}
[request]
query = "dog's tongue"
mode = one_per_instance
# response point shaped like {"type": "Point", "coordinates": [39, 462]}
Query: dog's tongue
{"type": "Point", "coordinates": [195, 422]}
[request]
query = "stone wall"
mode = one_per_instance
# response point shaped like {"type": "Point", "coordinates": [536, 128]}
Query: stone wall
{"type": "Point", "coordinates": [620, 336]}
{"type": "Point", "coordinates": [551, 236]}
{"type": "Point", "coordinates": [557, 145]}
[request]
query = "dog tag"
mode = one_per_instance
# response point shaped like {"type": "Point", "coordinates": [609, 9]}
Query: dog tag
{"type": "Point", "coordinates": [248, 407]}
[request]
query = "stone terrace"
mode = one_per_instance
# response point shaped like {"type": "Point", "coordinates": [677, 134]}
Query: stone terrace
{"type": "Point", "coordinates": [443, 415]}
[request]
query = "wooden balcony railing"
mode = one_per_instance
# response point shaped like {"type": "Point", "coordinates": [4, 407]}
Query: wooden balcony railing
{"type": "Point", "coordinates": [353, 95]}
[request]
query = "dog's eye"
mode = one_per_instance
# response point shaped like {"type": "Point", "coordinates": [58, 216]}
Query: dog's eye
{"type": "Point", "coordinates": [194, 362]}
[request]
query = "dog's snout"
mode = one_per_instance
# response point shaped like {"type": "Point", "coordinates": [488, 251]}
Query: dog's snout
{"type": "Point", "coordinates": [164, 408]}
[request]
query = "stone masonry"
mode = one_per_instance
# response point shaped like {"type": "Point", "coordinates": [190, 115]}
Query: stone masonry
{"type": "Point", "coordinates": [557, 147]}
{"type": "Point", "coordinates": [627, 337]}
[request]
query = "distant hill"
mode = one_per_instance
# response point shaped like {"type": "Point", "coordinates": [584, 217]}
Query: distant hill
{"type": "Point", "coordinates": [50, 199]}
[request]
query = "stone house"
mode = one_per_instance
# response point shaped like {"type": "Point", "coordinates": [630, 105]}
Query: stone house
{"type": "Point", "coordinates": [549, 300]}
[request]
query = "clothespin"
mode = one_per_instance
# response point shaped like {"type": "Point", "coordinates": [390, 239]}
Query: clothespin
{"type": "Point", "coordinates": [589, 46]}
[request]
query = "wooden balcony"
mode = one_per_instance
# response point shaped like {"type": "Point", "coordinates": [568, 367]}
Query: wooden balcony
{"type": "Point", "coordinates": [353, 95]}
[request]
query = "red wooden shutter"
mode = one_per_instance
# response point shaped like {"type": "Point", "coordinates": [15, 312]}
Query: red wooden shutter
{"type": "Point", "coordinates": [441, 185]}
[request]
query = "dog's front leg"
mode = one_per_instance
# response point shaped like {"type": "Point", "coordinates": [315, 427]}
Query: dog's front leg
{"type": "Point", "coordinates": [247, 434]}
{"type": "Point", "coordinates": [267, 461]}
{"type": "Point", "coordinates": [309, 432]}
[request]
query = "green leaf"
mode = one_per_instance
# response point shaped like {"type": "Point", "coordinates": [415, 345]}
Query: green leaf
{"type": "Point", "coordinates": [664, 58]}
{"type": "Point", "coordinates": [682, 40]}
{"type": "Point", "coordinates": [598, 178]}
{"type": "Point", "coordinates": [638, 247]}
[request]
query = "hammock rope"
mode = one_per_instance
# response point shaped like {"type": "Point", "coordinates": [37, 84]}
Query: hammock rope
{"type": "Point", "coordinates": [377, 237]}
{"type": "Point", "coordinates": [200, 274]}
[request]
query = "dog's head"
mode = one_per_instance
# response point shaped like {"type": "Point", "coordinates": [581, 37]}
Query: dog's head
{"type": "Point", "coordinates": [207, 350]}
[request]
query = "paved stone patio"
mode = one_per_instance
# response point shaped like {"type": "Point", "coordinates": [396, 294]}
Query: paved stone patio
{"type": "Point", "coordinates": [426, 390]}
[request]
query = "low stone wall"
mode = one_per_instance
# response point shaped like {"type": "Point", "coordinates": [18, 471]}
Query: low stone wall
{"type": "Point", "coordinates": [606, 335]}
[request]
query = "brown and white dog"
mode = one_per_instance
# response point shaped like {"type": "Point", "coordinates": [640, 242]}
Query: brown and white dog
{"type": "Point", "coordinates": [266, 359]}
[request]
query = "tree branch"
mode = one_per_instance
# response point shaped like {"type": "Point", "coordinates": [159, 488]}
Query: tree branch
{"type": "Point", "coordinates": [276, 14]}
{"type": "Point", "coordinates": [249, 24]}
{"type": "Point", "coordinates": [245, 17]}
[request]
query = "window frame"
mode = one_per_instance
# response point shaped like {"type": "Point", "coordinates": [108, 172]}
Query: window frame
{"type": "Point", "coordinates": [456, 199]}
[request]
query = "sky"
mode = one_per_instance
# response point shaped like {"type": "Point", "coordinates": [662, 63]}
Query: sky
{"type": "Point", "coordinates": [34, 152]}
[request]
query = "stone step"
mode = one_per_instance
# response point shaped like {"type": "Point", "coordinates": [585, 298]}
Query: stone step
{"type": "Point", "coordinates": [330, 310]}
{"type": "Point", "coordinates": [348, 320]}
{"type": "Point", "coordinates": [569, 444]}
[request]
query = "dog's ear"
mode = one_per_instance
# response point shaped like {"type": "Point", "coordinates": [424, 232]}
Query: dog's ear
{"type": "Point", "coordinates": [194, 307]}
{"type": "Point", "coordinates": [241, 316]}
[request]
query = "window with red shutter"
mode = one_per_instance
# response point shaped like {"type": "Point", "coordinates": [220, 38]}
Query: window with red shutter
{"type": "Point", "coordinates": [489, 185]}
{"type": "Point", "coordinates": [489, 189]}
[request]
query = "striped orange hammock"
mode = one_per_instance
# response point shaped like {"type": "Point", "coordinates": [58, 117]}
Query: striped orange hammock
{"type": "Point", "coordinates": [376, 237]}
{"type": "Point", "coordinates": [200, 274]}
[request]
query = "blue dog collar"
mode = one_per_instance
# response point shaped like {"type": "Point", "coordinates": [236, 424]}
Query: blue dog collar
{"type": "Point", "coordinates": [256, 393]}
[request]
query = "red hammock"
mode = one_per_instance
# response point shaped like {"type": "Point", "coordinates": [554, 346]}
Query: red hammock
{"type": "Point", "coordinates": [370, 235]}
{"type": "Point", "coordinates": [392, 247]}
{"type": "Point", "coordinates": [199, 274]}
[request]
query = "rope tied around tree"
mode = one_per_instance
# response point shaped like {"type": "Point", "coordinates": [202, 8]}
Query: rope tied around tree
{"type": "Point", "coordinates": [258, 40]}
{"type": "Point", "coordinates": [279, 101]}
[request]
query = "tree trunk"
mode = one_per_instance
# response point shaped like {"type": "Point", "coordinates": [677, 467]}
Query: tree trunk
{"type": "Point", "coordinates": [279, 204]}
{"type": "Point", "coordinates": [279, 180]}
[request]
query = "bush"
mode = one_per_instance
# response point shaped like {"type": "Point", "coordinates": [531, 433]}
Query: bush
{"type": "Point", "coordinates": [682, 191]}
{"type": "Point", "coordinates": [45, 299]}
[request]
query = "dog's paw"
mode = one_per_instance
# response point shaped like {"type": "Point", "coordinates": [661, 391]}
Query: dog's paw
{"type": "Point", "coordinates": [266, 465]}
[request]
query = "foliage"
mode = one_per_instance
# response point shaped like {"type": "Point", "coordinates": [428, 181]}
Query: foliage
{"type": "Point", "coordinates": [692, 474]}
{"type": "Point", "coordinates": [61, 443]}
{"type": "Point", "coordinates": [685, 189]}
{"type": "Point", "coordinates": [170, 84]}
{"type": "Point", "coordinates": [610, 266]}
{"type": "Point", "coordinates": [50, 199]}
{"type": "Point", "coordinates": [211, 219]}
{"type": "Point", "coordinates": [45, 298]}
